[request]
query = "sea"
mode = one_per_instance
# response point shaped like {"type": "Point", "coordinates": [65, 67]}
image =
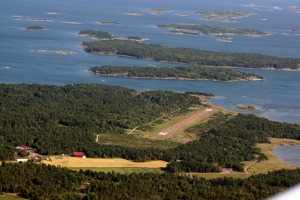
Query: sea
{"type": "Point", "coordinates": [277, 96]}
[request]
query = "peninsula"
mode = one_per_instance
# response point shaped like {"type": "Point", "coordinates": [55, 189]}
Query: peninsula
{"type": "Point", "coordinates": [183, 73]}
{"type": "Point", "coordinates": [189, 55]}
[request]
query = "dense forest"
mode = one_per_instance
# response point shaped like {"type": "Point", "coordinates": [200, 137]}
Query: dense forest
{"type": "Point", "coordinates": [56, 119]}
{"type": "Point", "coordinates": [45, 182]}
{"type": "Point", "coordinates": [189, 55]}
{"type": "Point", "coordinates": [213, 30]}
{"type": "Point", "coordinates": [97, 34]}
{"type": "Point", "coordinates": [190, 72]}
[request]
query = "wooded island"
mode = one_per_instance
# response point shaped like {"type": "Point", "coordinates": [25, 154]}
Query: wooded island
{"type": "Point", "coordinates": [189, 73]}
{"type": "Point", "coordinates": [189, 55]}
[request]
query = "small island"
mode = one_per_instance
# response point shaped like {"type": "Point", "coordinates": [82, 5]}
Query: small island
{"type": "Point", "coordinates": [97, 34]}
{"type": "Point", "coordinates": [35, 28]}
{"type": "Point", "coordinates": [69, 22]}
{"type": "Point", "coordinates": [133, 13]}
{"type": "Point", "coordinates": [223, 15]}
{"type": "Point", "coordinates": [211, 30]}
{"type": "Point", "coordinates": [296, 30]}
{"type": "Point", "coordinates": [157, 11]}
{"type": "Point", "coordinates": [246, 107]}
{"type": "Point", "coordinates": [108, 22]}
{"type": "Point", "coordinates": [40, 20]}
{"type": "Point", "coordinates": [54, 51]}
{"type": "Point", "coordinates": [180, 73]}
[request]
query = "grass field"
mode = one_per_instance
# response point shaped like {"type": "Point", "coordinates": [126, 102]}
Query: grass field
{"type": "Point", "coordinates": [136, 141]}
{"type": "Point", "coordinates": [124, 170]}
{"type": "Point", "coordinates": [72, 162]}
{"type": "Point", "coordinates": [274, 162]}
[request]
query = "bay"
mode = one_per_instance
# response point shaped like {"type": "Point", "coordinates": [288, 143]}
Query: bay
{"type": "Point", "coordinates": [288, 153]}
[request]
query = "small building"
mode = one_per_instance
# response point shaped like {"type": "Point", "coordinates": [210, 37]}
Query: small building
{"type": "Point", "coordinates": [79, 154]}
{"type": "Point", "coordinates": [24, 147]}
{"type": "Point", "coordinates": [22, 160]}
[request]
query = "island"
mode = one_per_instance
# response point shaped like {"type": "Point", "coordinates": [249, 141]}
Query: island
{"type": "Point", "coordinates": [189, 55]}
{"type": "Point", "coordinates": [69, 22]}
{"type": "Point", "coordinates": [97, 34]}
{"type": "Point", "coordinates": [181, 73]}
{"type": "Point", "coordinates": [108, 22]}
{"type": "Point", "coordinates": [40, 20]}
{"type": "Point", "coordinates": [212, 30]}
{"type": "Point", "coordinates": [133, 13]}
{"type": "Point", "coordinates": [223, 15]}
{"type": "Point", "coordinates": [35, 27]}
{"type": "Point", "coordinates": [296, 30]}
{"type": "Point", "coordinates": [157, 11]}
{"type": "Point", "coordinates": [246, 107]}
{"type": "Point", "coordinates": [182, 14]}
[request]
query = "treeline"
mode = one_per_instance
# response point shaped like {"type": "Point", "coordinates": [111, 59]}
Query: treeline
{"type": "Point", "coordinates": [97, 34]}
{"type": "Point", "coordinates": [39, 182]}
{"type": "Point", "coordinates": [45, 182]}
{"type": "Point", "coordinates": [204, 29]}
{"type": "Point", "coordinates": [56, 119]}
{"type": "Point", "coordinates": [190, 72]}
{"type": "Point", "coordinates": [189, 55]}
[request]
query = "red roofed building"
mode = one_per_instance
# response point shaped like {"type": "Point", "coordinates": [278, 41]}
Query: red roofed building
{"type": "Point", "coordinates": [24, 147]}
{"type": "Point", "coordinates": [78, 154]}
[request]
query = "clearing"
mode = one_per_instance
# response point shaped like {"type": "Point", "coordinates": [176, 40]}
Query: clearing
{"type": "Point", "coordinates": [72, 162]}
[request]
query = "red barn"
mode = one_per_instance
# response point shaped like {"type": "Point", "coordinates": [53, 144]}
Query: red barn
{"type": "Point", "coordinates": [78, 154]}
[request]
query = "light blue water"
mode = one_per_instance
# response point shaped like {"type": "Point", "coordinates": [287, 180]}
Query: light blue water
{"type": "Point", "coordinates": [277, 96]}
{"type": "Point", "coordinates": [288, 153]}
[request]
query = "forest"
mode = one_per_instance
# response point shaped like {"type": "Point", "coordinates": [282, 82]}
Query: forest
{"type": "Point", "coordinates": [63, 119]}
{"type": "Point", "coordinates": [56, 119]}
{"type": "Point", "coordinates": [213, 30]}
{"type": "Point", "coordinates": [45, 182]}
{"type": "Point", "coordinates": [189, 55]}
{"type": "Point", "coordinates": [190, 72]}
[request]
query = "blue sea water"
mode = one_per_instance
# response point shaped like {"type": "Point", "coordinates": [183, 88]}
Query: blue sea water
{"type": "Point", "coordinates": [277, 96]}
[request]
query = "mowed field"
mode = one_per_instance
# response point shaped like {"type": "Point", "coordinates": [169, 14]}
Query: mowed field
{"type": "Point", "coordinates": [72, 162]}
